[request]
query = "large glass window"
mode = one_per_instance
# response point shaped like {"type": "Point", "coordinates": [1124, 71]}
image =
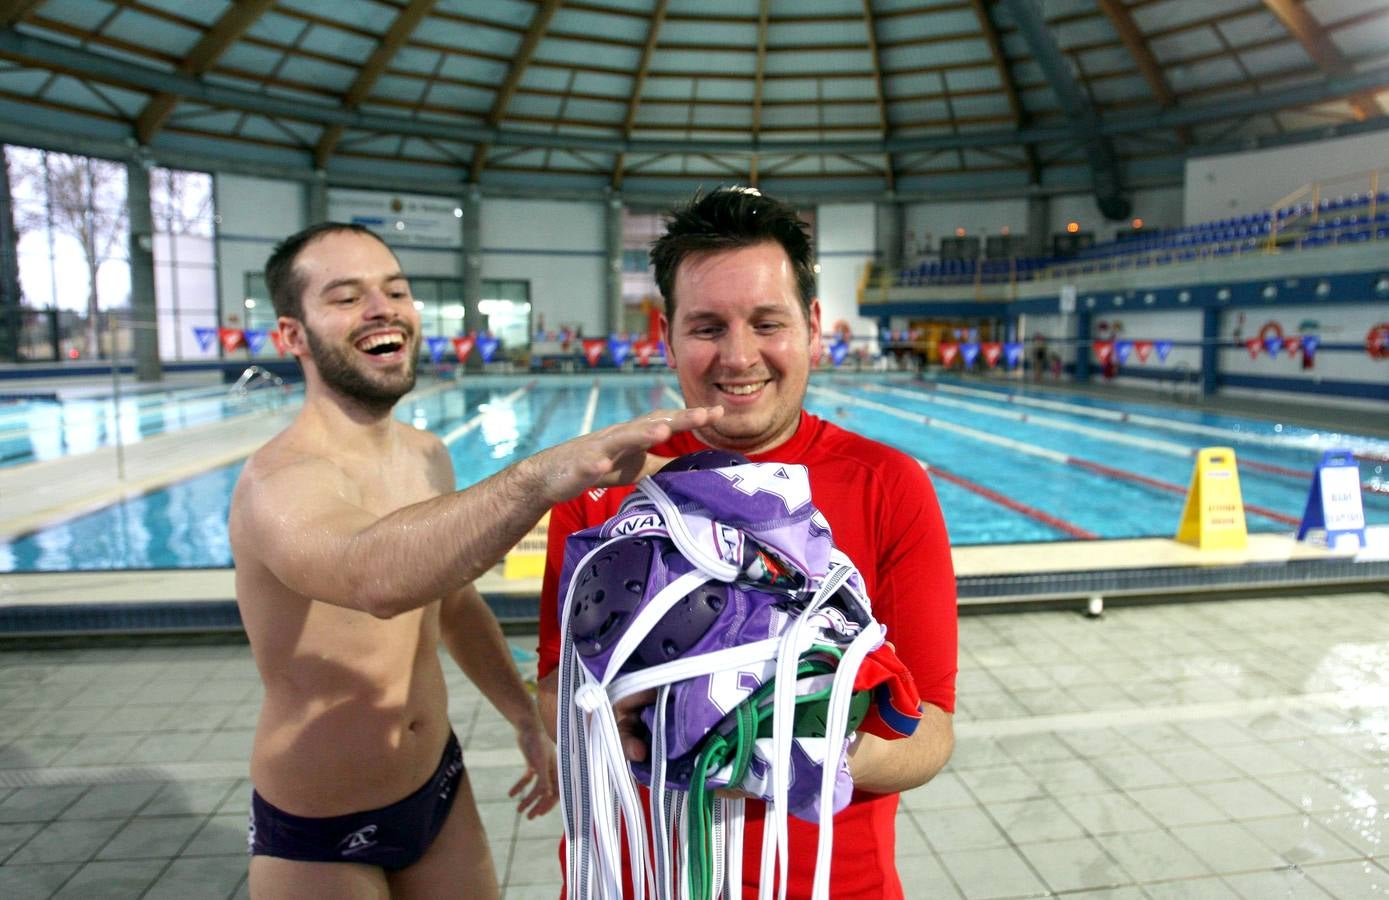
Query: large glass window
{"type": "Point", "coordinates": [185, 259]}
{"type": "Point", "coordinates": [506, 306]}
{"type": "Point", "coordinates": [73, 234]}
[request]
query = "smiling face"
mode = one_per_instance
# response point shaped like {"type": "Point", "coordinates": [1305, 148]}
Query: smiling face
{"type": "Point", "coordinates": [740, 339]}
{"type": "Point", "coordinates": [360, 330]}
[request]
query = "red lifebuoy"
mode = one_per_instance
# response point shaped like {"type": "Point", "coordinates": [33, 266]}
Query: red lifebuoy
{"type": "Point", "coordinates": [1377, 341]}
{"type": "Point", "coordinates": [1273, 326]}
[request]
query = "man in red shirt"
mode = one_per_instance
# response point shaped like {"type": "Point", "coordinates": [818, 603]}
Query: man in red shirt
{"type": "Point", "coordinates": [742, 330]}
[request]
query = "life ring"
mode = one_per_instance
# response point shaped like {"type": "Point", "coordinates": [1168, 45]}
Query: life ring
{"type": "Point", "coordinates": [1377, 341]}
{"type": "Point", "coordinates": [1270, 326]}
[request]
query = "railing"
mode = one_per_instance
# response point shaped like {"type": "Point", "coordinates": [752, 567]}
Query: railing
{"type": "Point", "coordinates": [256, 380]}
{"type": "Point", "coordinates": [1304, 219]}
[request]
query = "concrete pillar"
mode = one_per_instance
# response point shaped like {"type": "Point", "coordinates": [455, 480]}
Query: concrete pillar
{"type": "Point", "coordinates": [471, 224]}
{"type": "Point", "coordinates": [891, 225]}
{"type": "Point", "coordinates": [613, 317]}
{"type": "Point", "coordinates": [10, 322]}
{"type": "Point", "coordinates": [144, 314]}
{"type": "Point", "coordinates": [1210, 350]}
{"type": "Point", "coordinates": [1082, 336]}
{"type": "Point", "coordinates": [316, 199]}
{"type": "Point", "coordinates": [1038, 225]}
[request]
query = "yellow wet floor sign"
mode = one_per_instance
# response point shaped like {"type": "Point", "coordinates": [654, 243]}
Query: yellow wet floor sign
{"type": "Point", "coordinates": [1213, 518]}
{"type": "Point", "coordinates": [527, 558]}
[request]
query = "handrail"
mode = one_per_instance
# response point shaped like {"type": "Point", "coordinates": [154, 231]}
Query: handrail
{"type": "Point", "coordinates": [254, 378]}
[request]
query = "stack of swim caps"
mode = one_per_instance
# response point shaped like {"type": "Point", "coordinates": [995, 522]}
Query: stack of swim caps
{"type": "Point", "coordinates": [715, 600]}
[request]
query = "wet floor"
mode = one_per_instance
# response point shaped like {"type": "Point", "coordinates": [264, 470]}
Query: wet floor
{"type": "Point", "coordinates": [1223, 749]}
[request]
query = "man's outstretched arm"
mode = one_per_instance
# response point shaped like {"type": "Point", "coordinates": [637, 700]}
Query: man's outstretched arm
{"type": "Point", "coordinates": [305, 527]}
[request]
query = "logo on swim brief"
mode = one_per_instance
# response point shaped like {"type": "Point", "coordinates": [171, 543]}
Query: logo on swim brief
{"type": "Point", "coordinates": [358, 841]}
{"type": "Point", "coordinates": [455, 766]}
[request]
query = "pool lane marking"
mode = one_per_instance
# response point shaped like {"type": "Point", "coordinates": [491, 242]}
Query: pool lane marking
{"type": "Point", "coordinates": [1373, 487]}
{"type": "Point", "coordinates": [591, 410]}
{"type": "Point", "coordinates": [1118, 437]}
{"type": "Point", "coordinates": [1141, 419]}
{"type": "Point", "coordinates": [1031, 512]}
{"type": "Point", "coordinates": [1161, 446]}
{"type": "Point", "coordinates": [1028, 449]}
{"type": "Point", "coordinates": [476, 420]}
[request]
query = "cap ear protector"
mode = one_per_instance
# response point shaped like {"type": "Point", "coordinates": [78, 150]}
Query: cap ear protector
{"type": "Point", "coordinates": [705, 459]}
{"type": "Point", "coordinates": [608, 591]}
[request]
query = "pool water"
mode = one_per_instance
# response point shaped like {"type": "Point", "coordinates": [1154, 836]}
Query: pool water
{"type": "Point", "coordinates": [1008, 467]}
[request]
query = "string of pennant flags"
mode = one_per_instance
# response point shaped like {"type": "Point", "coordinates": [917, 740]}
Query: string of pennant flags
{"type": "Point", "coordinates": [643, 349]}
{"type": "Point", "coordinates": [619, 347]}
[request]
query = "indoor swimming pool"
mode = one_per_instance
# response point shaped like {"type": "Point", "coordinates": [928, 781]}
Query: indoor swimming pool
{"type": "Point", "coordinates": [48, 426]}
{"type": "Point", "coordinates": [1010, 463]}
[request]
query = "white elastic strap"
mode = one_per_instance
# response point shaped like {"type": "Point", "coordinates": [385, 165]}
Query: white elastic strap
{"type": "Point", "coordinates": [689, 546]}
{"type": "Point", "coordinates": [716, 845]}
{"type": "Point", "coordinates": [640, 626]}
{"type": "Point", "coordinates": [740, 657]}
{"type": "Point", "coordinates": [836, 722]}
{"type": "Point", "coordinates": [766, 878]}
{"type": "Point", "coordinates": [784, 720]}
{"type": "Point", "coordinates": [660, 830]}
{"type": "Point", "coordinates": [609, 755]}
{"type": "Point", "coordinates": [733, 849]}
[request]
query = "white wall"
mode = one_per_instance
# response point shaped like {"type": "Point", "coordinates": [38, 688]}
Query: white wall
{"type": "Point", "coordinates": [254, 214]}
{"type": "Point", "coordinates": [924, 224]}
{"type": "Point", "coordinates": [1157, 207]}
{"type": "Point", "coordinates": [845, 242]}
{"type": "Point", "coordinates": [1218, 187]}
{"type": "Point", "coordinates": [1331, 325]}
{"type": "Point", "coordinates": [559, 247]}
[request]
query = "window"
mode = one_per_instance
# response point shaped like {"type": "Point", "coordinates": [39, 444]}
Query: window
{"type": "Point", "coordinates": [73, 232]}
{"type": "Point", "coordinates": [506, 307]}
{"type": "Point", "coordinates": [185, 266]}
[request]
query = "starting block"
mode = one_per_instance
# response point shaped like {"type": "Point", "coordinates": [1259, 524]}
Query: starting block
{"type": "Point", "coordinates": [1213, 517]}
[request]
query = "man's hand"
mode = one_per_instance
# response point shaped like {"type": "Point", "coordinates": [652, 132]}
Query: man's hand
{"type": "Point", "coordinates": [614, 455]}
{"type": "Point", "coordinates": [539, 752]}
{"type": "Point", "coordinates": [630, 727]}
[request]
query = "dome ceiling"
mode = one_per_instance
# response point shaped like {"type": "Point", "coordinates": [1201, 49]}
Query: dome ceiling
{"type": "Point", "coordinates": [828, 98]}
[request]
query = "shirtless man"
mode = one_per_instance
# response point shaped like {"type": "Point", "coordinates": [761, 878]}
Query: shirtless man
{"type": "Point", "coordinates": [354, 558]}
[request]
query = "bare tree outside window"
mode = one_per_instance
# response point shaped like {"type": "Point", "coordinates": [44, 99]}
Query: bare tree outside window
{"type": "Point", "coordinates": [185, 267]}
{"type": "Point", "coordinates": [71, 221]}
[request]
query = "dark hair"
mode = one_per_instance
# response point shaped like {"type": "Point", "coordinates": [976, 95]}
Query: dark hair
{"type": "Point", "coordinates": [730, 219]}
{"type": "Point", "coordinates": [284, 281]}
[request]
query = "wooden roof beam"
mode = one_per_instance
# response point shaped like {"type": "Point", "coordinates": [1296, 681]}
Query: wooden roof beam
{"type": "Point", "coordinates": [871, 25]}
{"type": "Point", "coordinates": [1323, 51]}
{"type": "Point", "coordinates": [763, 14]}
{"type": "Point", "coordinates": [1138, 49]}
{"type": "Point", "coordinates": [391, 42]}
{"type": "Point", "coordinates": [12, 12]}
{"type": "Point", "coordinates": [653, 36]}
{"type": "Point", "coordinates": [989, 32]}
{"type": "Point", "coordinates": [204, 55]}
{"type": "Point", "coordinates": [540, 23]}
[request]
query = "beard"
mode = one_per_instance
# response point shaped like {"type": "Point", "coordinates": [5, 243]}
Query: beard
{"type": "Point", "coordinates": [374, 390]}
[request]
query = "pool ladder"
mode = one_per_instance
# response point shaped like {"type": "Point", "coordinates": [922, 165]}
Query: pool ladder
{"type": "Point", "coordinates": [1186, 382]}
{"type": "Point", "coordinates": [255, 380]}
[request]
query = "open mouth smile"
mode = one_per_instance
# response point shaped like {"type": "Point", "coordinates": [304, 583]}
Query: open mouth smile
{"type": "Point", "coordinates": [382, 343]}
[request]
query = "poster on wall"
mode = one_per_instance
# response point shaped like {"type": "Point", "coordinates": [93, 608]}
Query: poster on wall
{"type": "Point", "coordinates": [403, 220]}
